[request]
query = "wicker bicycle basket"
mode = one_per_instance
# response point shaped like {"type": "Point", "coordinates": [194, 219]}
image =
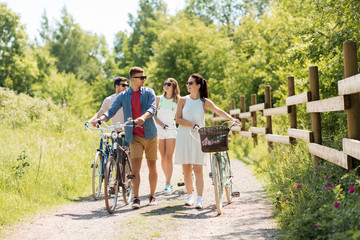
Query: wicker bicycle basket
{"type": "Point", "coordinates": [214, 139]}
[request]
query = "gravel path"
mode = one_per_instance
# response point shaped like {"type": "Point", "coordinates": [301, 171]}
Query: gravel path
{"type": "Point", "coordinates": [248, 217]}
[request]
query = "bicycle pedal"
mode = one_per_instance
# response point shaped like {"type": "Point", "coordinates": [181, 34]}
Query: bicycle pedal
{"type": "Point", "coordinates": [210, 174]}
{"type": "Point", "coordinates": [180, 184]}
{"type": "Point", "coordinates": [235, 194]}
{"type": "Point", "coordinates": [130, 176]}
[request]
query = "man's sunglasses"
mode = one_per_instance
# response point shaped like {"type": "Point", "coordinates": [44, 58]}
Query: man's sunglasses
{"type": "Point", "coordinates": [142, 77]}
{"type": "Point", "coordinates": [167, 84]}
{"type": "Point", "coordinates": [124, 85]}
{"type": "Point", "coordinates": [189, 83]}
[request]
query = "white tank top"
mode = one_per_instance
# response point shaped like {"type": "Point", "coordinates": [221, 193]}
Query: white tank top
{"type": "Point", "coordinates": [166, 111]}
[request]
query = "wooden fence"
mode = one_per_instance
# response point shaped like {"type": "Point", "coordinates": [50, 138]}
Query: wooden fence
{"type": "Point", "coordinates": [348, 100]}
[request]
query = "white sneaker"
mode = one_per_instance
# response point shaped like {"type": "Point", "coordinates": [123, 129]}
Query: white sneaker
{"type": "Point", "coordinates": [199, 203]}
{"type": "Point", "coordinates": [190, 200]}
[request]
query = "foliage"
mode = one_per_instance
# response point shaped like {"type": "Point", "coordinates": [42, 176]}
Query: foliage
{"type": "Point", "coordinates": [35, 171]}
{"type": "Point", "coordinates": [310, 203]}
{"type": "Point", "coordinates": [17, 68]}
{"type": "Point", "coordinates": [136, 49]}
{"type": "Point", "coordinates": [185, 47]}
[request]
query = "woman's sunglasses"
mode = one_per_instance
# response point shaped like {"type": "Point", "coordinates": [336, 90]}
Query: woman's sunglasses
{"type": "Point", "coordinates": [167, 84]}
{"type": "Point", "coordinates": [189, 83]}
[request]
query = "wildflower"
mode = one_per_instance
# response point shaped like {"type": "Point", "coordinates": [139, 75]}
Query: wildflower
{"type": "Point", "coordinates": [331, 186]}
{"type": "Point", "coordinates": [338, 181]}
{"type": "Point", "coordinates": [327, 177]}
{"type": "Point", "coordinates": [298, 186]}
{"type": "Point", "coordinates": [352, 189]}
{"type": "Point", "coordinates": [5, 102]}
{"type": "Point", "coordinates": [316, 224]}
{"type": "Point", "coordinates": [325, 188]}
{"type": "Point", "coordinates": [64, 105]}
{"type": "Point", "coordinates": [336, 205]}
{"type": "Point", "coordinates": [287, 199]}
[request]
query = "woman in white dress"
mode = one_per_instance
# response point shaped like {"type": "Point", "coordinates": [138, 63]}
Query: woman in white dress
{"type": "Point", "coordinates": [165, 118]}
{"type": "Point", "coordinates": [190, 113]}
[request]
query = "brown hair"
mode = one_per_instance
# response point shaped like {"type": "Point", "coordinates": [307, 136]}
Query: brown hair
{"type": "Point", "coordinates": [176, 90]}
{"type": "Point", "coordinates": [135, 70]}
{"type": "Point", "coordinates": [204, 92]}
{"type": "Point", "coordinates": [118, 80]}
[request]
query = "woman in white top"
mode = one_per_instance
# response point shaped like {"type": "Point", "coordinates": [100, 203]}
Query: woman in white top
{"type": "Point", "coordinates": [165, 118]}
{"type": "Point", "coordinates": [190, 113]}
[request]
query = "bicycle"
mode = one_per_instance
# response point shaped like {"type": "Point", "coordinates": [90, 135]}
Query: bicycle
{"type": "Point", "coordinates": [118, 169]}
{"type": "Point", "coordinates": [214, 140]}
{"type": "Point", "coordinates": [101, 156]}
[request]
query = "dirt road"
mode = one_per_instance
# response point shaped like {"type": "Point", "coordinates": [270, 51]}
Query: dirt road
{"type": "Point", "coordinates": [248, 217]}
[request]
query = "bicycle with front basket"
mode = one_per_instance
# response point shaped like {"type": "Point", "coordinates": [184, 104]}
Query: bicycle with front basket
{"type": "Point", "coordinates": [118, 173]}
{"type": "Point", "coordinates": [214, 140]}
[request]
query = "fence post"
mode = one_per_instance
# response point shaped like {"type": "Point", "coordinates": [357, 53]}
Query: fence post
{"type": "Point", "coordinates": [232, 104]}
{"type": "Point", "coordinates": [315, 117]}
{"type": "Point", "coordinates": [268, 118]}
{"type": "Point", "coordinates": [353, 113]}
{"type": "Point", "coordinates": [242, 110]}
{"type": "Point", "coordinates": [292, 115]}
{"type": "Point", "coordinates": [253, 118]}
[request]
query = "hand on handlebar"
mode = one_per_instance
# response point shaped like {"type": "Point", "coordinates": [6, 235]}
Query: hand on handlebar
{"type": "Point", "coordinates": [139, 121]}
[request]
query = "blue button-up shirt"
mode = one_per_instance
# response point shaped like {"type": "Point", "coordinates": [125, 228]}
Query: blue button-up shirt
{"type": "Point", "coordinates": [147, 100]}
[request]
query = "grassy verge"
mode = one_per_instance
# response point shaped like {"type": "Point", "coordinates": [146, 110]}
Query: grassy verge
{"type": "Point", "coordinates": [310, 203]}
{"type": "Point", "coordinates": [44, 153]}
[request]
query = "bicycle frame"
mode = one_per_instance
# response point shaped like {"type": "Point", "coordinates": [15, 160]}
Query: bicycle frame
{"type": "Point", "coordinates": [224, 160]}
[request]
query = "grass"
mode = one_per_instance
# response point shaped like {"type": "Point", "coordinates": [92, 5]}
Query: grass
{"type": "Point", "coordinates": [45, 156]}
{"type": "Point", "coordinates": [309, 202]}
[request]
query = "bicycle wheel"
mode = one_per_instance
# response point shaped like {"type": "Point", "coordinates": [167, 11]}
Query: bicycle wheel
{"type": "Point", "coordinates": [126, 172]}
{"type": "Point", "coordinates": [96, 175]}
{"type": "Point", "coordinates": [228, 177]}
{"type": "Point", "coordinates": [215, 168]}
{"type": "Point", "coordinates": [111, 185]}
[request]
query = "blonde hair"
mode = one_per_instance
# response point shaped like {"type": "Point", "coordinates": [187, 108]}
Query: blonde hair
{"type": "Point", "coordinates": [176, 90]}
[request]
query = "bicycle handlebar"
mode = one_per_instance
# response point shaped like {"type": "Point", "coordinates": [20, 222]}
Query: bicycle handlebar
{"type": "Point", "coordinates": [197, 128]}
{"type": "Point", "coordinates": [109, 127]}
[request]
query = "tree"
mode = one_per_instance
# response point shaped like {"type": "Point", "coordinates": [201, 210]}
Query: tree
{"type": "Point", "coordinates": [137, 48]}
{"type": "Point", "coordinates": [17, 68]}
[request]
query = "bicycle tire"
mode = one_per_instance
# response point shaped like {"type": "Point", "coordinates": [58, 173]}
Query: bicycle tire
{"type": "Point", "coordinates": [127, 186]}
{"type": "Point", "coordinates": [228, 175]}
{"type": "Point", "coordinates": [215, 167]}
{"type": "Point", "coordinates": [96, 175]}
{"type": "Point", "coordinates": [111, 180]}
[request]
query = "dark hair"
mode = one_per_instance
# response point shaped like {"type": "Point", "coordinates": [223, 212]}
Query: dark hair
{"type": "Point", "coordinates": [204, 92]}
{"type": "Point", "coordinates": [118, 80]}
{"type": "Point", "coordinates": [134, 70]}
{"type": "Point", "coordinates": [176, 90]}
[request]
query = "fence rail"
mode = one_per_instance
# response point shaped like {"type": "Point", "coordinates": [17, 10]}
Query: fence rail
{"type": "Point", "coordinates": [348, 100]}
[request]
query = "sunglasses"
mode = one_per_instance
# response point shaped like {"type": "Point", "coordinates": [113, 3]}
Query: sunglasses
{"type": "Point", "coordinates": [142, 77]}
{"type": "Point", "coordinates": [124, 85]}
{"type": "Point", "coordinates": [189, 83]}
{"type": "Point", "coordinates": [167, 84]}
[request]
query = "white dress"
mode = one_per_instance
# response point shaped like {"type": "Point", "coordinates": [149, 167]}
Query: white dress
{"type": "Point", "coordinates": [188, 148]}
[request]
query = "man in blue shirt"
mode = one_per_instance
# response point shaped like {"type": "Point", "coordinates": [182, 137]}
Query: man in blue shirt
{"type": "Point", "coordinates": [138, 103]}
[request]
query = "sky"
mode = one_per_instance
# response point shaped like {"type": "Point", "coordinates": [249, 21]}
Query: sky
{"type": "Point", "coordinates": [106, 17]}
